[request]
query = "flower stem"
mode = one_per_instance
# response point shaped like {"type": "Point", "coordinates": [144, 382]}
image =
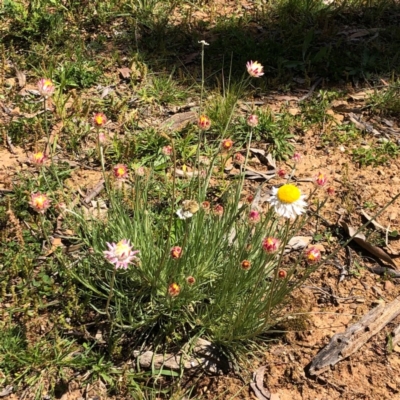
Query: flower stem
{"type": "Point", "coordinates": [110, 295]}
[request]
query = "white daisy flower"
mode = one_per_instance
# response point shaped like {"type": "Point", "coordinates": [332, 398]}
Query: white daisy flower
{"type": "Point", "coordinates": [287, 201]}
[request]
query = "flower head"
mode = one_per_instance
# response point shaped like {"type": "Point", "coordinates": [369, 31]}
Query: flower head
{"type": "Point", "coordinates": [140, 171]}
{"type": "Point", "coordinates": [271, 245]}
{"type": "Point", "coordinates": [282, 274]}
{"type": "Point", "coordinates": [281, 173]}
{"type": "Point", "coordinates": [205, 205]}
{"type": "Point", "coordinates": [255, 69]}
{"type": "Point", "coordinates": [38, 158]}
{"type": "Point", "coordinates": [46, 87]}
{"type": "Point", "coordinates": [120, 171]}
{"type": "Point", "coordinates": [287, 201]}
{"type": "Point", "coordinates": [321, 179]}
{"type": "Point", "coordinates": [99, 120]}
{"type": "Point", "coordinates": [296, 157]}
{"type": "Point", "coordinates": [239, 158]}
{"type": "Point", "coordinates": [120, 254]}
{"type": "Point", "coordinates": [190, 280]}
{"type": "Point", "coordinates": [176, 252]}
{"type": "Point", "coordinates": [218, 210]}
{"type": "Point", "coordinates": [167, 150]}
{"type": "Point", "coordinates": [227, 144]}
{"type": "Point", "coordinates": [174, 289]}
{"type": "Point", "coordinates": [330, 190]}
{"type": "Point", "coordinates": [252, 120]}
{"type": "Point", "coordinates": [313, 255]}
{"type": "Point", "coordinates": [254, 217]}
{"type": "Point", "coordinates": [204, 123]}
{"type": "Point", "coordinates": [39, 202]}
{"type": "Point", "coordinates": [245, 264]}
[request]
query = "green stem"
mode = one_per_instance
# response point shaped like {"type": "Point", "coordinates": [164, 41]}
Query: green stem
{"type": "Point", "coordinates": [110, 295]}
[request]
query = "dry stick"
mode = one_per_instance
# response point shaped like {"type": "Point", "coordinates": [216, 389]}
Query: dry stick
{"type": "Point", "coordinates": [342, 345]}
{"type": "Point", "coordinates": [396, 336]}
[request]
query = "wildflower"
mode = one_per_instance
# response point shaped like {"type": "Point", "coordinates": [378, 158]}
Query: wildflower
{"type": "Point", "coordinates": [99, 120]}
{"type": "Point", "coordinates": [174, 289]}
{"type": "Point", "coordinates": [190, 280]}
{"type": "Point", "coordinates": [189, 207]}
{"type": "Point", "coordinates": [330, 191]}
{"type": "Point", "coordinates": [140, 171]}
{"type": "Point", "coordinates": [313, 255]}
{"type": "Point", "coordinates": [176, 252]}
{"type": "Point", "coordinates": [254, 217]}
{"type": "Point", "coordinates": [296, 157]}
{"type": "Point", "coordinates": [320, 179]}
{"type": "Point", "coordinates": [271, 244]}
{"type": "Point", "coordinates": [46, 87]}
{"type": "Point", "coordinates": [252, 120]}
{"type": "Point", "coordinates": [281, 173]}
{"type": "Point", "coordinates": [204, 43]}
{"type": "Point", "coordinates": [204, 123]}
{"type": "Point", "coordinates": [38, 158]}
{"type": "Point", "coordinates": [282, 274]}
{"type": "Point", "coordinates": [166, 150]}
{"type": "Point", "coordinates": [250, 198]}
{"type": "Point", "coordinates": [39, 202]}
{"type": "Point", "coordinates": [205, 205]}
{"type": "Point", "coordinates": [218, 210]}
{"type": "Point", "coordinates": [120, 254]}
{"type": "Point", "coordinates": [287, 201]}
{"type": "Point", "coordinates": [239, 158]}
{"type": "Point", "coordinates": [227, 144]}
{"type": "Point", "coordinates": [102, 138]}
{"type": "Point", "coordinates": [120, 171]}
{"type": "Point", "coordinates": [255, 69]}
{"type": "Point", "coordinates": [245, 264]}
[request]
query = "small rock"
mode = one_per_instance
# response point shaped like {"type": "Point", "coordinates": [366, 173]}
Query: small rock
{"type": "Point", "coordinates": [388, 285]}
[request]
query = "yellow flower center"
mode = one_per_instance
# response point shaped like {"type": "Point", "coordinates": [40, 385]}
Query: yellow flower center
{"type": "Point", "coordinates": [47, 83]}
{"type": "Point", "coordinates": [99, 120]}
{"type": "Point", "coordinates": [38, 156]}
{"type": "Point", "coordinates": [120, 171]}
{"type": "Point", "coordinates": [122, 249]}
{"type": "Point", "coordinates": [288, 194]}
{"type": "Point", "coordinates": [39, 201]}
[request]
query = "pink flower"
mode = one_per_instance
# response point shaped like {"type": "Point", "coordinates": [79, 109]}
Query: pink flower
{"type": "Point", "coordinates": [252, 120]}
{"type": "Point", "coordinates": [271, 245]}
{"type": "Point", "coordinates": [39, 202]}
{"type": "Point", "coordinates": [281, 173]}
{"type": "Point", "coordinates": [99, 120]}
{"type": "Point", "coordinates": [331, 191]}
{"type": "Point", "coordinates": [205, 205]}
{"type": "Point", "coordinates": [140, 171]}
{"type": "Point", "coordinates": [46, 87]}
{"type": "Point", "coordinates": [254, 217]}
{"type": "Point", "coordinates": [218, 210]}
{"type": "Point", "coordinates": [321, 179]}
{"type": "Point", "coordinates": [120, 171]}
{"type": "Point", "coordinates": [204, 123]}
{"type": "Point", "coordinates": [176, 252]}
{"type": "Point", "coordinates": [166, 150]}
{"type": "Point", "coordinates": [296, 157]}
{"type": "Point", "coordinates": [120, 254]}
{"type": "Point", "coordinates": [313, 255]}
{"type": "Point", "coordinates": [255, 69]}
{"type": "Point", "coordinates": [227, 144]}
{"type": "Point", "coordinates": [190, 280]}
{"type": "Point", "coordinates": [174, 289]}
{"type": "Point", "coordinates": [239, 158]}
{"type": "Point", "coordinates": [282, 274]}
{"type": "Point", "coordinates": [38, 158]}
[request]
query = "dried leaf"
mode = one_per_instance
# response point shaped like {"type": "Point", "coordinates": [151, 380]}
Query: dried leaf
{"type": "Point", "coordinates": [125, 72]}
{"type": "Point", "coordinates": [21, 78]}
{"type": "Point", "coordinates": [6, 391]}
{"type": "Point", "coordinates": [298, 243]}
{"type": "Point", "coordinates": [374, 250]}
{"type": "Point", "coordinates": [251, 173]}
{"type": "Point", "coordinates": [376, 224]}
{"type": "Point", "coordinates": [56, 242]}
{"type": "Point", "coordinates": [257, 385]}
{"type": "Point", "coordinates": [179, 121]}
{"type": "Point", "coordinates": [266, 160]}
